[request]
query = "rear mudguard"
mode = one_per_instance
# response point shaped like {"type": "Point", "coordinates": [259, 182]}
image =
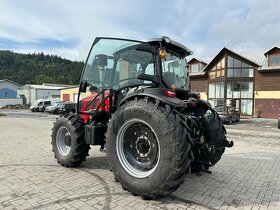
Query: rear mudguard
{"type": "Point", "coordinates": [199, 109]}
{"type": "Point", "coordinates": [156, 93]}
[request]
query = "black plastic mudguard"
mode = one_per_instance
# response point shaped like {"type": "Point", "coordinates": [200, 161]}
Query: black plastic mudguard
{"type": "Point", "coordinates": [156, 93]}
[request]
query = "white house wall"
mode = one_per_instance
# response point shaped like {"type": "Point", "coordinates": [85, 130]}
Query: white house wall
{"type": "Point", "coordinates": [30, 95]}
{"type": "Point", "coordinates": [43, 94]}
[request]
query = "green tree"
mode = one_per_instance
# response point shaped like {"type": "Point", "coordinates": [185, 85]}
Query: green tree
{"type": "Point", "coordinates": [39, 79]}
{"type": "Point", "coordinates": [37, 68]}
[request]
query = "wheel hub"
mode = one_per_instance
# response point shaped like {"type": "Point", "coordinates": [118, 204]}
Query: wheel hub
{"type": "Point", "coordinates": [63, 141]}
{"type": "Point", "coordinates": [143, 146]}
{"type": "Point", "coordinates": [138, 148]}
{"type": "Point", "coordinates": [67, 140]}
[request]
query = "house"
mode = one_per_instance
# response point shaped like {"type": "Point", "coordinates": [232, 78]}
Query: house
{"type": "Point", "coordinates": [8, 93]}
{"type": "Point", "coordinates": [248, 81]}
{"type": "Point", "coordinates": [31, 93]}
{"type": "Point", "coordinates": [69, 94]}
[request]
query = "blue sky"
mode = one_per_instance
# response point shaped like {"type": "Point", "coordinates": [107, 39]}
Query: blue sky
{"type": "Point", "coordinates": [67, 27]}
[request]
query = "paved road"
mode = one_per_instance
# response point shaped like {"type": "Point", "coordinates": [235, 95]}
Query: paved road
{"type": "Point", "coordinates": [247, 177]}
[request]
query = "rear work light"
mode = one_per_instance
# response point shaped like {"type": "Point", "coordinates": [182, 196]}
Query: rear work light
{"type": "Point", "coordinates": [169, 93]}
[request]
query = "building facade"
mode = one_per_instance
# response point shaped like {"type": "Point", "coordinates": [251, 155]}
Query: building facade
{"type": "Point", "coordinates": [8, 89]}
{"type": "Point", "coordinates": [8, 93]}
{"type": "Point", "coordinates": [31, 93]}
{"type": "Point", "coordinates": [69, 94]}
{"type": "Point", "coordinates": [249, 82]}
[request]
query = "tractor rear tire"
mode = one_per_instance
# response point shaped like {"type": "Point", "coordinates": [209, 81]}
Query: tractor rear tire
{"type": "Point", "coordinates": [214, 132]}
{"type": "Point", "coordinates": [148, 148]}
{"type": "Point", "coordinates": [68, 141]}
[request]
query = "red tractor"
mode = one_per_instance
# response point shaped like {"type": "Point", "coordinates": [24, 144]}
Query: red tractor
{"type": "Point", "coordinates": [137, 100]}
{"type": "Point", "coordinates": [90, 103]}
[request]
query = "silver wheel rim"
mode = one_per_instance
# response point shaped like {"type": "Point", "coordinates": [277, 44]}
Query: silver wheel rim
{"type": "Point", "coordinates": [63, 135]}
{"type": "Point", "coordinates": [147, 161]}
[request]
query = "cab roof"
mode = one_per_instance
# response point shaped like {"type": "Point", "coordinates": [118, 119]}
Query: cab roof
{"type": "Point", "coordinates": [164, 41]}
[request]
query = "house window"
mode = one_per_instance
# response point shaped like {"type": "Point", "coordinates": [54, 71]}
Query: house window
{"type": "Point", "coordinates": [247, 72]}
{"type": "Point", "coordinates": [195, 68]}
{"type": "Point", "coordinates": [216, 93]}
{"type": "Point", "coordinates": [221, 64]}
{"type": "Point", "coordinates": [237, 72]}
{"type": "Point", "coordinates": [212, 74]}
{"type": "Point", "coordinates": [236, 86]}
{"type": "Point", "coordinates": [236, 68]}
{"type": "Point", "coordinates": [274, 60]}
{"type": "Point", "coordinates": [6, 94]}
{"type": "Point", "coordinates": [240, 94]}
{"type": "Point", "coordinates": [246, 107]}
{"type": "Point", "coordinates": [218, 71]}
{"type": "Point", "coordinates": [230, 62]}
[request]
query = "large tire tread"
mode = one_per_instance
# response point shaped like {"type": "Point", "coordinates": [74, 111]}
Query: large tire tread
{"type": "Point", "coordinates": [180, 146]}
{"type": "Point", "coordinates": [79, 149]}
{"type": "Point", "coordinates": [219, 135]}
{"type": "Point", "coordinates": [214, 131]}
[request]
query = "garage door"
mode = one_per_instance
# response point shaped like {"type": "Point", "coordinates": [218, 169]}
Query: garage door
{"type": "Point", "coordinates": [66, 97]}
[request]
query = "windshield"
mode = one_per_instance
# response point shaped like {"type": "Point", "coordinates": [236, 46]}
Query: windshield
{"type": "Point", "coordinates": [115, 63]}
{"type": "Point", "coordinates": [174, 72]}
{"type": "Point", "coordinates": [36, 103]}
{"type": "Point", "coordinates": [55, 103]}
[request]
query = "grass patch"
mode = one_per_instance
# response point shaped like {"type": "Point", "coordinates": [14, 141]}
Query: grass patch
{"type": "Point", "coordinates": [1, 114]}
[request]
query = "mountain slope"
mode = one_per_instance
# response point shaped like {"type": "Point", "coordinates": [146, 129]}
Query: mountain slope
{"type": "Point", "coordinates": [38, 68]}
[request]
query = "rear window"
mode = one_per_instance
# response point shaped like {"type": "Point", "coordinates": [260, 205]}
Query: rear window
{"type": "Point", "coordinates": [70, 105]}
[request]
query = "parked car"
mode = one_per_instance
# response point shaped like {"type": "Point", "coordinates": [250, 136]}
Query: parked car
{"type": "Point", "coordinates": [54, 107]}
{"type": "Point", "coordinates": [40, 105]}
{"type": "Point", "coordinates": [228, 114]}
{"type": "Point", "coordinates": [67, 107]}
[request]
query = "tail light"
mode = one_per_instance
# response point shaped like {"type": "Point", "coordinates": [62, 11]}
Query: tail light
{"type": "Point", "coordinates": [169, 93]}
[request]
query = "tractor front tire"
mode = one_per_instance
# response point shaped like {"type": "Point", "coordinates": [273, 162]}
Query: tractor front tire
{"type": "Point", "coordinates": [68, 141]}
{"type": "Point", "coordinates": [148, 148]}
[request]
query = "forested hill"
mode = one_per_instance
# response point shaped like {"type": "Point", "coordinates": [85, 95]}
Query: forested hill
{"type": "Point", "coordinates": [38, 68]}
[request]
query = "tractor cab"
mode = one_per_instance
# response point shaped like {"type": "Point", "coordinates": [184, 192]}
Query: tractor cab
{"type": "Point", "coordinates": [115, 68]}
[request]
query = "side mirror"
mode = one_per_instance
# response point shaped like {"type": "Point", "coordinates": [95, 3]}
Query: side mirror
{"type": "Point", "coordinates": [101, 60]}
{"type": "Point", "coordinates": [83, 86]}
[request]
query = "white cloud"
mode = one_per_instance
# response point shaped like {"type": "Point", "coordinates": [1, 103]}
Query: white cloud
{"type": "Point", "coordinates": [204, 26]}
{"type": "Point", "coordinates": [248, 29]}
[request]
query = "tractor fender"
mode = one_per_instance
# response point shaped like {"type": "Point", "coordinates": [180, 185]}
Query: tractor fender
{"type": "Point", "coordinates": [156, 93]}
{"type": "Point", "coordinates": [204, 102]}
